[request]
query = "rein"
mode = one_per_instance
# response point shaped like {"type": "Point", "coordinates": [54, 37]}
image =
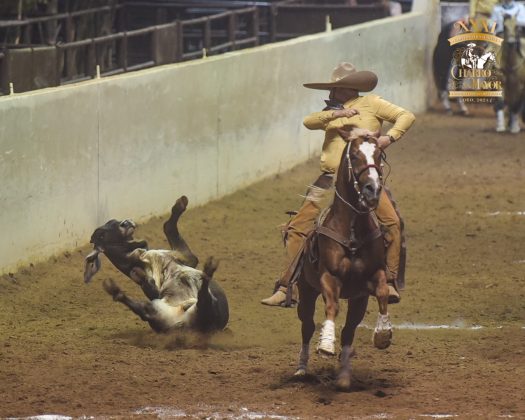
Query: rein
{"type": "Point", "coordinates": [352, 243]}
{"type": "Point", "coordinates": [353, 177]}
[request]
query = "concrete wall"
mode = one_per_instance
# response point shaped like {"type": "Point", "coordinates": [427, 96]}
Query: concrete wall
{"type": "Point", "coordinates": [73, 157]}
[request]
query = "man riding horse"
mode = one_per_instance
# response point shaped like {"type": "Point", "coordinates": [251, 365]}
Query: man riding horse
{"type": "Point", "coordinates": [510, 62]}
{"type": "Point", "coordinates": [346, 108]}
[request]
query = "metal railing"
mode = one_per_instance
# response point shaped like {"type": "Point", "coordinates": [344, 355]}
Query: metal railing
{"type": "Point", "coordinates": [188, 39]}
{"type": "Point", "coordinates": [213, 40]}
{"type": "Point", "coordinates": [37, 30]}
{"type": "Point", "coordinates": [175, 41]}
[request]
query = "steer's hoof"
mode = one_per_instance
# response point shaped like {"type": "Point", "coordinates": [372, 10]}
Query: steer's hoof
{"type": "Point", "coordinates": [180, 205]}
{"type": "Point", "coordinates": [382, 339]}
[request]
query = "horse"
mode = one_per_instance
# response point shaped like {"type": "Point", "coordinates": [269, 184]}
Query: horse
{"type": "Point", "coordinates": [442, 61]}
{"type": "Point", "coordinates": [484, 59]}
{"type": "Point", "coordinates": [350, 258]}
{"type": "Point", "coordinates": [513, 68]}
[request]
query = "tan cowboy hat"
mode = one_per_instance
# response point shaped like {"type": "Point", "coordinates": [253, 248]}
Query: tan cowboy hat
{"type": "Point", "coordinates": [345, 75]}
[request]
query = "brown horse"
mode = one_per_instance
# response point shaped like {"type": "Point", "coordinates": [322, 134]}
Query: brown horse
{"type": "Point", "coordinates": [513, 67]}
{"type": "Point", "coordinates": [351, 258]}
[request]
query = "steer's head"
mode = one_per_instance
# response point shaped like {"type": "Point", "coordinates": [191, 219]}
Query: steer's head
{"type": "Point", "coordinates": [113, 233]}
{"type": "Point", "coordinates": [115, 240]}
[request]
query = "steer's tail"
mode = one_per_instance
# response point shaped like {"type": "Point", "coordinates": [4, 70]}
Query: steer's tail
{"type": "Point", "coordinates": [210, 266]}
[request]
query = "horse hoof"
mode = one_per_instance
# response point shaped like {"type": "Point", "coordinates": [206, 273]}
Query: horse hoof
{"type": "Point", "coordinates": [300, 373]}
{"type": "Point", "coordinates": [343, 383]}
{"type": "Point", "coordinates": [326, 348]}
{"type": "Point", "coordinates": [382, 339]}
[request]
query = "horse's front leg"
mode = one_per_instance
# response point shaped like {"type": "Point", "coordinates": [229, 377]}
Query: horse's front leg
{"type": "Point", "coordinates": [354, 316]}
{"type": "Point", "coordinates": [330, 289]}
{"type": "Point", "coordinates": [305, 310]}
{"type": "Point", "coordinates": [383, 330]}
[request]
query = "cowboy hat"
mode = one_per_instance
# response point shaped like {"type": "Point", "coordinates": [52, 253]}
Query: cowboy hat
{"type": "Point", "coordinates": [345, 75]}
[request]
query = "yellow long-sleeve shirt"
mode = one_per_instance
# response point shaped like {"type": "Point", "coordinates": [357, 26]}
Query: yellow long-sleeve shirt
{"type": "Point", "coordinates": [373, 110]}
{"type": "Point", "coordinates": [483, 7]}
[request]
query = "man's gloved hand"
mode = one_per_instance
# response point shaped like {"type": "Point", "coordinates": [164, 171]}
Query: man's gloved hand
{"type": "Point", "coordinates": [346, 112]}
{"type": "Point", "coordinates": [384, 141]}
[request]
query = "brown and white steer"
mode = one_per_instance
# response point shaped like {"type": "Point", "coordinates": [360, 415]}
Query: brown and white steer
{"type": "Point", "coordinates": [179, 295]}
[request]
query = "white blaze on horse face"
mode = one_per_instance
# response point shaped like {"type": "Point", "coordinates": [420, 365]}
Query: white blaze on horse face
{"type": "Point", "coordinates": [368, 150]}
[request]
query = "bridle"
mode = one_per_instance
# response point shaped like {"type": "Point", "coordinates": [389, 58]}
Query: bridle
{"type": "Point", "coordinates": [354, 178]}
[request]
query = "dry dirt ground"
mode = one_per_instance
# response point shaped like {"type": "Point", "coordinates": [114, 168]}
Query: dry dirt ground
{"type": "Point", "coordinates": [67, 348]}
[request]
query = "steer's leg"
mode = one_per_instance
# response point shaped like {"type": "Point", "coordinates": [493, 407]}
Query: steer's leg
{"type": "Point", "coordinates": [176, 241]}
{"type": "Point", "coordinates": [147, 284]}
{"type": "Point", "coordinates": [305, 310]}
{"type": "Point", "coordinates": [355, 314]}
{"type": "Point", "coordinates": [144, 310]}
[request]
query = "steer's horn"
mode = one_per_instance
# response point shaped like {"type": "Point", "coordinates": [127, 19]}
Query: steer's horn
{"type": "Point", "coordinates": [92, 265]}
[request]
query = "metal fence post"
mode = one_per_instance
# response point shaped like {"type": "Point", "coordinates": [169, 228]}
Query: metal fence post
{"type": "Point", "coordinates": [256, 25]}
{"type": "Point", "coordinates": [232, 29]}
{"type": "Point", "coordinates": [125, 51]}
{"type": "Point", "coordinates": [180, 41]}
{"type": "Point", "coordinates": [92, 59]}
{"type": "Point", "coordinates": [154, 45]}
{"type": "Point", "coordinates": [207, 34]}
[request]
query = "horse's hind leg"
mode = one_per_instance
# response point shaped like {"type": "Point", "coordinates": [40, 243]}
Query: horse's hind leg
{"type": "Point", "coordinates": [171, 231]}
{"type": "Point", "coordinates": [514, 122]}
{"type": "Point", "coordinates": [305, 310]}
{"type": "Point", "coordinates": [355, 314]}
{"type": "Point", "coordinates": [383, 329]}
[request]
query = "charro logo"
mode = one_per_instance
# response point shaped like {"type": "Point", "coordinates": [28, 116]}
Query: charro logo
{"type": "Point", "coordinates": [473, 73]}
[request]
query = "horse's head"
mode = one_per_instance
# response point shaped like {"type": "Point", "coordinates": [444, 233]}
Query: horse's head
{"type": "Point", "coordinates": [363, 157]}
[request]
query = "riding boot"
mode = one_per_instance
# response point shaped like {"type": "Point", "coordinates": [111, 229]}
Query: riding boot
{"type": "Point", "coordinates": [393, 240]}
{"type": "Point", "coordinates": [278, 298]}
{"type": "Point", "coordinates": [391, 226]}
{"type": "Point", "coordinates": [295, 234]}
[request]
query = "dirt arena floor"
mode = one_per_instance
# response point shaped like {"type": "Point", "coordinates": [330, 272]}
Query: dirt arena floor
{"type": "Point", "coordinates": [67, 349]}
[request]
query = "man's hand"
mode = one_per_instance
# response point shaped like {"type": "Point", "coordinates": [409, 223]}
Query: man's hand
{"type": "Point", "coordinates": [347, 112]}
{"type": "Point", "coordinates": [384, 141]}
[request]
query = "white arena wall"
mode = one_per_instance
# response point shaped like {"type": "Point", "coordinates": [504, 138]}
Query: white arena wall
{"type": "Point", "coordinates": [75, 156]}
